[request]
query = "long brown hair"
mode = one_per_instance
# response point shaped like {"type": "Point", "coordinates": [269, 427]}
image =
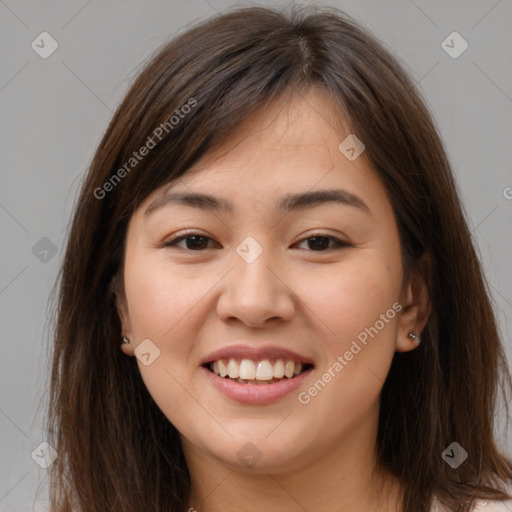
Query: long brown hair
{"type": "Point", "coordinates": [117, 450]}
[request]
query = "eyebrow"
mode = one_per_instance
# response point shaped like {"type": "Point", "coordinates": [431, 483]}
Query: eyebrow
{"type": "Point", "coordinates": [288, 203]}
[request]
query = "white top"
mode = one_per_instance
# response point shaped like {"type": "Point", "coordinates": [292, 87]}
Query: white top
{"type": "Point", "coordinates": [494, 506]}
{"type": "Point", "coordinates": [481, 506]}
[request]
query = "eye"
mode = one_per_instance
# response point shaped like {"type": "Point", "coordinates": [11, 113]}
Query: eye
{"type": "Point", "coordinates": [319, 242]}
{"type": "Point", "coordinates": [193, 241]}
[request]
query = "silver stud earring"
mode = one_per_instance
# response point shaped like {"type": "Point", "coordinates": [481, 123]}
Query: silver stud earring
{"type": "Point", "coordinates": [125, 340]}
{"type": "Point", "coordinates": [414, 337]}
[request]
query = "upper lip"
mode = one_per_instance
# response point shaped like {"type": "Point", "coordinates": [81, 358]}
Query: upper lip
{"type": "Point", "coordinates": [256, 354]}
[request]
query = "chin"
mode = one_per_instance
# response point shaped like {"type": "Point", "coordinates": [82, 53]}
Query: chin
{"type": "Point", "coordinates": [257, 451]}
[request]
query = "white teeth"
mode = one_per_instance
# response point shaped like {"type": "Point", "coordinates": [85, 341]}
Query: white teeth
{"type": "Point", "coordinates": [264, 370]}
{"type": "Point", "coordinates": [247, 369]}
{"type": "Point", "coordinates": [223, 369]}
{"type": "Point", "coordinates": [233, 369]}
{"type": "Point", "coordinates": [279, 369]}
{"type": "Point", "coordinates": [289, 369]}
{"type": "Point", "coordinates": [256, 372]}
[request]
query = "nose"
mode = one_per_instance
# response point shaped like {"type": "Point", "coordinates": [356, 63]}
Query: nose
{"type": "Point", "coordinates": [256, 293]}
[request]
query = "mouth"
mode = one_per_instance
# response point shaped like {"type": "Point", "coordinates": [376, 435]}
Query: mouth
{"type": "Point", "coordinates": [257, 371]}
{"type": "Point", "coordinates": [256, 375]}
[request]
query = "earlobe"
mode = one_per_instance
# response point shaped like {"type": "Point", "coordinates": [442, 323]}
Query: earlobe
{"type": "Point", "coordinates": [126, 347]}
{"type": "Point", "coordinates": [417, 306]}
{"type": "Point", "coordinates": [126, 331]}
{"type": "Point", "coordinates": [121, 307]}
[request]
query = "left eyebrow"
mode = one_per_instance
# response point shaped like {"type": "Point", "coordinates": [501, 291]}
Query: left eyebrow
{"type": "Point", "coordinates": [290, 202]}
{"type": "Point", "coordinates": [303, 200]}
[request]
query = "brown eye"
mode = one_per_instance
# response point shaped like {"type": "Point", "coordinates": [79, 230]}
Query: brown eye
{"type": "Point", "coordinates": [320, 243]}
{"type": "Point", "coordinates": [193, 242]}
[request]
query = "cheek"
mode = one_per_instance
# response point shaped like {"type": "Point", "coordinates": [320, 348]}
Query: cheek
{"type": "Point", "coordinates": [162, 304]}
{"type": "Point", "coordinates": [351, 297]}
{"type": "Point", "coordinates": [160, 297]}
{"type": "Point", "coordinates": [357, 310]}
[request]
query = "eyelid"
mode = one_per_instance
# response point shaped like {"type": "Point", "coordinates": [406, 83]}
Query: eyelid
{"type": "Point", "coordinates": [174, 240]}
{"type": "Point", "coordinates": [338, 244]}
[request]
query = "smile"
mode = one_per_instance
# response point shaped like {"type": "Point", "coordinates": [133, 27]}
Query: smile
{"type": "Point", "coordinates": [265, 371]}
{"type": "Point", "coordinates": [256, 374]}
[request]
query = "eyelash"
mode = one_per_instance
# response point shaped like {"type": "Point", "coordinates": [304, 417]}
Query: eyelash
{"type": "Point", "coordinates": [338, 244]}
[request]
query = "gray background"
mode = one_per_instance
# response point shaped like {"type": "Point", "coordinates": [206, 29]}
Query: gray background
{"type": "Point", "coordinates": [55, 110]}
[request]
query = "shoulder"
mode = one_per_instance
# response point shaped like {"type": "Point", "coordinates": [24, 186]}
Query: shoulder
{"type": "Point", "coordinates": [494, 506]}
{"type": "Point", "coordinates": [481, 506]}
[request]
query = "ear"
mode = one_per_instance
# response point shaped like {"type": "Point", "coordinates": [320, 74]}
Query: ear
{"type": "Point", "coordinates": [119, 298]}
{"type": "Point", "coordinates": [415, 298]}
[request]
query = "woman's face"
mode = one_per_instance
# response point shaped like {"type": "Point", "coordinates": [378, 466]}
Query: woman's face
{"type": "Point", "coordinates": [272, 275]}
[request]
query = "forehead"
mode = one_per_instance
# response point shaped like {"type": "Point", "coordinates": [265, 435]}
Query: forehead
{"type": "Point", "coordinates": [287, 146]}
{"type": "Point", "coordinates": [293, 122]}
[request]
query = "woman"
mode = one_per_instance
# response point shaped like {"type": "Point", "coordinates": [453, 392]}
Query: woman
{"type": "Point", "coordinates": [270, 297]}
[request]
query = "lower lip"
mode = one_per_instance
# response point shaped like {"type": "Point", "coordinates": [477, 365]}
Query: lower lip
{"type": "Point", "coordinates": [256, 393]}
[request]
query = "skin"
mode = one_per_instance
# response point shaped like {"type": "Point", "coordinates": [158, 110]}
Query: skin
{"type": "Point", "coordinates": [318, 456]}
